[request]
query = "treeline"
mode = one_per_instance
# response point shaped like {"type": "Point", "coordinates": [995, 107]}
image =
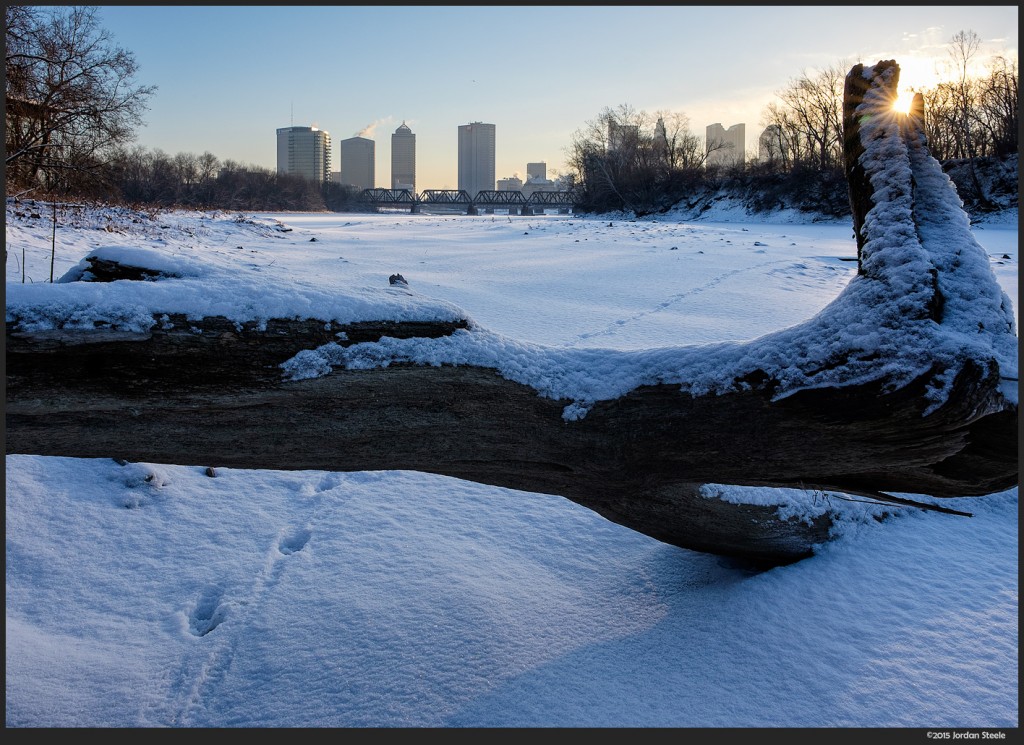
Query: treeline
{"type": "Point", "coordinates": [152, 177]}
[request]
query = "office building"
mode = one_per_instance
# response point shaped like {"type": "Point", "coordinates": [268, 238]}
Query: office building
{"type": "Point", "coordinates": [403, 159]}
{"type": "Point", "coordinates": [304, 151]}
{"type": "Point", "coordinates": [512, 183]}
{"type": "Point", "coordinates": [356, 162]}
{"type": "Point", "coordinates": [622, 136]}
{"type": "Point", "coordinates": [661, 142]}
{"type": "Point", "coordinates": [725, 147]}
{"type": "Point", "coordinates": [770, 145]}
{"type": "Point", "coordinates": [476, 157]}
{"type": "Point", "coordinates": [537, 179]}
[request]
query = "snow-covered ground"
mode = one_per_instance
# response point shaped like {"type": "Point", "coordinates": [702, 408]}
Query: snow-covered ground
{"type": "Point", "coordinates": [153, 595]}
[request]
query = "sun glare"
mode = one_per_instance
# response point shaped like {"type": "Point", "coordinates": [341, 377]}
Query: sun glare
{"type": "Point", "coordinates": [916, 74]}
{"type": "Point", "coordinates": [903, 102]}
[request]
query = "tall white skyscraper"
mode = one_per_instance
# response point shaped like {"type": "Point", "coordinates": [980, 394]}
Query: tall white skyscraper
{"type": "Point", "coordinates": [403, 159]}
{"type": "Point", "coordinates": [725, 147]}
{"type": "Point", "coordinates": [304, 151]}
{"type": "Point", "coordinates": [476, 157]}
{"type": "Point", "coordinates": [357, 162]}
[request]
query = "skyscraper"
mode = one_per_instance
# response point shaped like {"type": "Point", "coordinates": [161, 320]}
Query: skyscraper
{"type": "Point", "coordinates": [476, 157]}
{"type": "Point", "coordinates": [725, 147]}
{"type": "Point", "coordinates": [622, 137]}
{"type": "Point", "coordinates": [403, 159]}
{"type": "Point", "coordinates": [357, 162]}
{"type": "Point", "coordinates": [304, 151]}
{"type": "Point", "coordinates": [770, 145]}
{"type": "Point", "coordinates": [661, 141]}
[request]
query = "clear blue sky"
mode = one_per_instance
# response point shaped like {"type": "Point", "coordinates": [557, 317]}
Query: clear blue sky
{"type": "Point", "coordinates": [229, 76]}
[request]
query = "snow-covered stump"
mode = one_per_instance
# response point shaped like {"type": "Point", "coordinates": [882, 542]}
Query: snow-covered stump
{"type": "Point", "coordinates": [923, 278]}
{"type": "Point", "coordinates": [904, 385]}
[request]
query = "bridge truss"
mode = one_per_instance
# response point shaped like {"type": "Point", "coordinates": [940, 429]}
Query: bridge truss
{"type": "Point", "coordinates": [487, 198]}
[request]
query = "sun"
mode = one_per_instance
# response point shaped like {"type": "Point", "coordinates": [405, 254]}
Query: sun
{"type": "Point", "coordinates": [917, 73]}
{"type": "Point", "coordinates": [903, 102]}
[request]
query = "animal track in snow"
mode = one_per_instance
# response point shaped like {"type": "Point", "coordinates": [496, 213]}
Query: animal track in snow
{"type": "Point", "coordinates": [294, 541]}
{"type": "Point", "coordinates": [208, 613]}
{"type": "Point", "coordinates": [614, 326]}
{"type": "Point", "coordinates": [329, 481]}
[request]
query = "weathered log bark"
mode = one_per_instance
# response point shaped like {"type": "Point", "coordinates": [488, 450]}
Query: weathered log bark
{"type": "Point", "coordinates": [637, 460]}
{"type": "Point", "coordinates": [211, 393]}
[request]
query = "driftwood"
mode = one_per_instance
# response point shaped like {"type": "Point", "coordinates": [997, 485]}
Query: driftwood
{"type": "Point", "coordinates": [211, 393]}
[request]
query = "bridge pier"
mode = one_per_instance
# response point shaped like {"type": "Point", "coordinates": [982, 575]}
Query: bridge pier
{"type": "Point", "coordinates": [472, 210]}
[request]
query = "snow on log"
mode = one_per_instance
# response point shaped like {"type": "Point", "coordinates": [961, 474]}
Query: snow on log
{"type": "Point", "coordinates": [906, 383]}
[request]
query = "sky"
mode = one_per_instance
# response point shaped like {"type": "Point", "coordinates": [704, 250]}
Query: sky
{"type": "Point", "coordinates": [229, 76]}
{"type": "Point", "coordinates": [157, 595]}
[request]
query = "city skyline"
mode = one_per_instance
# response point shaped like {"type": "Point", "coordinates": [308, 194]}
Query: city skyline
{"type": "Point", "coordinates": [539, 73]}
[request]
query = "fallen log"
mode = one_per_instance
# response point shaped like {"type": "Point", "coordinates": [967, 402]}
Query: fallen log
{"type": "Point", "coordinates": [928, 417]}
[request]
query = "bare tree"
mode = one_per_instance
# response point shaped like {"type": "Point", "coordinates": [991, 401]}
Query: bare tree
{"type": "Point", "coordinates": [785, 141]}
{"type": "Point", "coordinates": [208, 164]}
{"type": "Point", "coordinates": [809, 118]}
{"type": "Point", "coordinates": [186, 171]}
{"type": "Point", "coordinates": [70, 94]}
{"type": "Point", "coordinates": [619, 168]}
{"type": "Point", "coordinates": [964, 47]}
{"type": "Point", "coordinates": [602, 154]}
{"type": "Point", "coordinates": [682, 147]}
{"type": "Point", "coordinates": [772, 154]}
{"type": "Point", "coordinates": [628, 160]}
{"type": "Point", "coordinates": [941, 127]}
{"type": "Point", "coordinates": [998, 106]}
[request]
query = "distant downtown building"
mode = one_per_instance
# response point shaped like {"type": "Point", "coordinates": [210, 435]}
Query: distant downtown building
{"type": "Point", "coordinates": [622, 136]}
{"type": "Point", "coordinates": [537, 179]}
{"type": "Point", "coordinates": [403, 159]}
{"type": "Point", "coordinates": [304, 151]}
{"type": "Point", "coordinates": [734, 141]}
{"type": "Point", "coordinates": [770, 145]}
{"type": "Point", "coordinates": [476, 157]}
{"type": "Point", "coordinates": [512, 183]}
{"type": "Point", "coordinates": [357, 162]}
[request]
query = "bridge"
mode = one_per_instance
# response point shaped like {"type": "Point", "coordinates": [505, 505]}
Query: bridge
{"type": "Point", "coordinates": [486, 200]}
